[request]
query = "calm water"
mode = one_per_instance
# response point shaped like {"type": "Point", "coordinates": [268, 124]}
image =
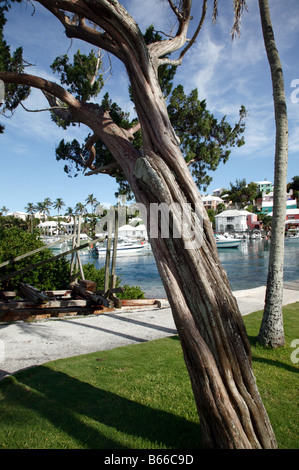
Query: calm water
{"type": "Point", "coordinates": [246, 267]}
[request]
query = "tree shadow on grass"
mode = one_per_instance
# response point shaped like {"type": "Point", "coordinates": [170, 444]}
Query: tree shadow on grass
{"type": "Point", "coordinates": [68, 404]}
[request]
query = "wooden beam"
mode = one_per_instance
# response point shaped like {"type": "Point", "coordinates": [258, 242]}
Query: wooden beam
{"type": "Point", "coordinates": [97, 299]}
{"type": "Point", "coordinates": [33, 293]}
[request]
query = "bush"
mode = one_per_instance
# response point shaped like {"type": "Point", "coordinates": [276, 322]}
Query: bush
{"type": "Point", "coordinates": [15, 241]}
{"type": "Point", "coordinates": [98, 276]}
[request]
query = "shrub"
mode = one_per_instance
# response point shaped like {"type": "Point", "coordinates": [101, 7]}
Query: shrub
{"type": "Point", "coordinates": [15, 241]}
{"type": "Point", "coordinates": [98, 276]}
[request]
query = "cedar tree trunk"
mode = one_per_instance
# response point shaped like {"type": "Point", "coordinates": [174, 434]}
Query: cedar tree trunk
{"type": "Point", "coordinates": [213, 337]}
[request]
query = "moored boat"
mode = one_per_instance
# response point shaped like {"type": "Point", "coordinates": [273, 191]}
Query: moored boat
{"type": "Point", "coordinates": [227, 242]}
{"type": "Point", "coordinates": [124, 248]}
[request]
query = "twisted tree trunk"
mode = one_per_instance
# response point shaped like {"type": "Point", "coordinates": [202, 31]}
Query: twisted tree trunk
{"type": "Point", "coordinates": [210, 327]}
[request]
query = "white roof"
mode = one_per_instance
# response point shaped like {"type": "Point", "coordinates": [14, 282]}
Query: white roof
{"type": "Point", "coordinates": [233, 213]}
{"type": "Point", "coordinates": [49, 223]}
{"type": "Point", "coordinates": [211, 198]}
{"type": "Point", "coordinates": [263, 182]}
{"type": "Point", "coordinates": [125, 228]}
{"type": "Point", "coordinates": [16, 213]}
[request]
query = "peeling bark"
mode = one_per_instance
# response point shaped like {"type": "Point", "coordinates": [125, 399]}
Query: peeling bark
{"type": "Point", "coordinates": [213, 337]}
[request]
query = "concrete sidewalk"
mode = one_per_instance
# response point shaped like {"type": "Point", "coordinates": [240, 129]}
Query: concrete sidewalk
{"type": "Point", "coordinates": [24, 344]}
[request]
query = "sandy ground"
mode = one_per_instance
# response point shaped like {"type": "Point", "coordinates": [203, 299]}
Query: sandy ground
{"type": "Point", "coordinates": [24, 345]}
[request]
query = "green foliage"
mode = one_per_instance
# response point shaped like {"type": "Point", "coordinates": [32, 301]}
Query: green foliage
{"type": "Point", "coordinates": [79, 76]}
{"type": "Point", "coordinates": [205, 142]}
{"type": "Point", "coordinates": [14, 242]}
{"type": "Point", "coordinates": [14, 93]}
{"type": "Point", "coordinates": [98, 276]}
{"type": "Point", "coordinates": [294, 185]}
{"type": "Point", "coordinates": [242, 192]}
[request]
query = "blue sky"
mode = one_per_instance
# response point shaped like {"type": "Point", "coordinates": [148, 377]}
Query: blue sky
{"type": "Point", "coordinates": [227, 74]}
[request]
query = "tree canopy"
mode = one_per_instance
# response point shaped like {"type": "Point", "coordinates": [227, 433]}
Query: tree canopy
{"type": "Point", "coordinates": [205, 141]}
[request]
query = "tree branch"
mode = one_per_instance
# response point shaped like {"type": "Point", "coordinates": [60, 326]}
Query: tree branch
{"type": "Point", "coordinates": [166, 47]}
{"type": "Point", "coordinates": [106, 169]}
{"type": "Point", "coordinates": [79, 29]}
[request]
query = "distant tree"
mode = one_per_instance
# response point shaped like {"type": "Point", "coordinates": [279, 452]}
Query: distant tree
{"type": "Point", "coordinates": [69, 211]}
{"type": "Point", "coordinates": [294, 186]}
{"type": "Point", "coordinates": [58, 204]}
{"type": "Point", "coordinates": [240, 192]}
{"type": "Point", "coordinates": [30, 208]}
{"type": "Point", "coordinates": [79, 208]}
{"type": "Point", "coordinates": [220, 208]}
{"type": "Point", "coordinates": [266, 221]}
{"type": "Point", "coordinates": [40, 208]}
{"type": "Point", "coordinates": [4, 210]}
{"type": "Point", "coordinates": [47, 204]}
{"type": "Point", "coordinates": [91, 200]}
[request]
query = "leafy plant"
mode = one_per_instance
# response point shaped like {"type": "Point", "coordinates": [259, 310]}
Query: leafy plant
{"type": "Point", "coordinates": [14, 242]}
{"type": "Point", "coordinates": [98, 276]}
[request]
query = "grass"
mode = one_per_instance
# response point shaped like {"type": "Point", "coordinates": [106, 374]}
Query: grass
{"type": "Point", "coordinates": [136, 397]}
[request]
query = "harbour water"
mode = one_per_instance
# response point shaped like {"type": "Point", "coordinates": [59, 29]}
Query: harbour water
{"type": "Point", "coordinates": [246, 267]}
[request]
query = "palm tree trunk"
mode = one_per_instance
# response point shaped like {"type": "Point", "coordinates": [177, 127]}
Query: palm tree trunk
{"type": "Point", "coordinates": [271, 331]}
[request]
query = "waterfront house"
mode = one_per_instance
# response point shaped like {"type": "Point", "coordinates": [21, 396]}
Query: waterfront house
{"type": "Point", "coordinates": [292, 217]}
{"type": "Point", "coordinates": [264, 186]}
{"type": "Point", "coordinates": [265, 203]}
{"type": "Point", "coordinates": [236, 221]}
{"type": "Point", "coordinates": [211, 202]}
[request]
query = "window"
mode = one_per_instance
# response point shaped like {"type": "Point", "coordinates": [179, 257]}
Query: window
{"type": "Point", "coordinates": [230, 219]}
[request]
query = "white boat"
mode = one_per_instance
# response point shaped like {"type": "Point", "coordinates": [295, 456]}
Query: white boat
{"type": "Point", "coordinates": [50, 240]}
{"type": "Point", "coordinates": [227, 242]}
{"type": "Point", "coordinates": [124, 248]}
{"type": "Point", "coordinates": [292, 239]}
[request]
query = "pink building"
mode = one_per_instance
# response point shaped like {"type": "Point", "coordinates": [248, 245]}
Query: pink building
{"type": "Point", "coordinates": [252, 222]}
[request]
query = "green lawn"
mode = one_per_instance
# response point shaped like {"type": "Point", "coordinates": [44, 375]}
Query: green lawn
{"type": "Point", "coordinates": [136, 397]}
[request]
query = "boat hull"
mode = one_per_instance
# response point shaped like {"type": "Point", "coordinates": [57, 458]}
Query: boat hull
{"type": "Point", "coordinates": [126, 250]}
{"type": "Point", "coordinates": [228, 244]}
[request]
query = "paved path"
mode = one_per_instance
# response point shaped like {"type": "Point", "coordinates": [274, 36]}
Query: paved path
{"type": "Point", "coordinates": [24, 344]}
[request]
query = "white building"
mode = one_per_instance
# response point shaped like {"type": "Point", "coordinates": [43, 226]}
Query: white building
{"type": "Point", "coordinates": [211, 202]}
{"type": "Point", "coordinates": [52, 227]}
{"type": "Point", "coordinates": [235, 220]}
{"type": "Point", "coordinates": [264, 186]}
{"type": "Point", "coordinates": [130, 231]}
{"type": "Point", "coordinates": [218, 191]}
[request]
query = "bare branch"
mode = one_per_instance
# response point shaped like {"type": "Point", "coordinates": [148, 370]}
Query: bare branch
{"type": "Point", "coordinates": [103, 169]}
{"type": "Point", "coordinates": [175, 10]}
{"type": "Point", "coordinates": [78, 28]}
{"type": "Point", "coordinates": [89, 146]}
{"type": "Point", "coordinates": [201, 21]}
{"type": "Point", "coordinates": [93, 79]}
